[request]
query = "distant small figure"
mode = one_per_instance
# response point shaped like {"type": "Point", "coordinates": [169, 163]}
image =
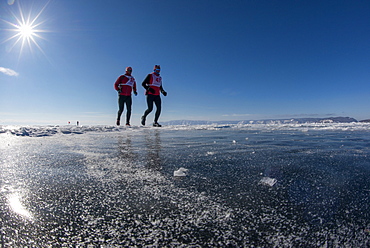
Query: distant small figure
{"type": "Point", "coordinates": [153, 85]}
{"type": "Point", "coordinates": [124, 85]}
{"type": "Point", "coordinates": [78, 123]}
{"type": "Point", "coordinates": [69, 122]}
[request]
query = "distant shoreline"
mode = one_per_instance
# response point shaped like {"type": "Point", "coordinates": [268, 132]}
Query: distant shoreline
{"type": "Point", "coordinates": [338, 119]}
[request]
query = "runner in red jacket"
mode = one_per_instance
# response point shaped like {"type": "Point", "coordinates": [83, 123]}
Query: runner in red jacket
{"type": "Point", "coordinates": [125, 84]}
{"type": "Point", "coordinates": [153, 85]}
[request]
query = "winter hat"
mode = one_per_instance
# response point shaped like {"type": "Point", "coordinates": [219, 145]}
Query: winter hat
{"type": "Point", "coordinates": [157, 67]}
{"type": "Point", "coordinates": [128, 68]}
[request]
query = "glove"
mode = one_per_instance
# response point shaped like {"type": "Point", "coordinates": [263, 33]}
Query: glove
{"type": "Point", "coordinates": [164, 93]}
{"type": "Point", "coordinates": [151, 90]}
{"type": "Point", "coordinates": [135, 93]}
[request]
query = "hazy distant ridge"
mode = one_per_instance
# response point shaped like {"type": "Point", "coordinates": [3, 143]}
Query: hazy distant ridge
{"type": "Point", "coordinates": [267, 121]}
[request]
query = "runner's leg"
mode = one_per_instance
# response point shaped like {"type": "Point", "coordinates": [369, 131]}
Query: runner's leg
{"type": "Point", "coordinates": [158, 104]}
{"type": "Point", "coordinates": [149, 101]}
{"type": "Point", "coordinates": [121, 101]}
{"type": "Point", "coordinates": [128, 106]}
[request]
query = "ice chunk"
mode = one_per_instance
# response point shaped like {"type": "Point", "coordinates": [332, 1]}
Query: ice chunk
{"type": "Point", "coordinates": [182, 172]}
{"type": "Point", "coordinates": [268, 181]}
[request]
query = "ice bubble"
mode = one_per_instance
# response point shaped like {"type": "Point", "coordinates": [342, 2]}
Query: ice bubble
{"type": "Point", "coordinates": [268, 181]}
{"type": "Point", "coordinates": [182, 172]}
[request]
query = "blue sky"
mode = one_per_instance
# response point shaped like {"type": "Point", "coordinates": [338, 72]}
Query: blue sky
{"type": "Point", "coordinates": [221, 60]}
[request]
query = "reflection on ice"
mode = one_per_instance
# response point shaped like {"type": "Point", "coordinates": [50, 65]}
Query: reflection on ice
{"type": "Point", "coordinates": [153, 147]}
{"type": "Point", "coordinates": [17, 206]}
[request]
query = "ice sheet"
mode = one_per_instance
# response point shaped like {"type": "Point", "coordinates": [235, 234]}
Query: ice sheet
{"type": "Point", "coordinates": [114, 186]}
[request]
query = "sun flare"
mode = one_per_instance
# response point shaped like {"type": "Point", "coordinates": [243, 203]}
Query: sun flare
{"type": "Point", "coordinates": [25, 29]}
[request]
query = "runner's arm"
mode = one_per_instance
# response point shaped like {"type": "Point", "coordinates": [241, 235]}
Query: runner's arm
{"type": "Point", "coordinates": [116, 84]}
{"type": "Point", "coordinates": [146, 82]}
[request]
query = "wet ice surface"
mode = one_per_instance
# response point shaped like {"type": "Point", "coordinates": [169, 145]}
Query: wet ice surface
{"type": "Point", "coordinates": [251, 185]}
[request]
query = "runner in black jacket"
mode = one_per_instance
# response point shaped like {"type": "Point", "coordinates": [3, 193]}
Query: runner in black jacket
{"type": "Point", "coordinates": [153, 86]}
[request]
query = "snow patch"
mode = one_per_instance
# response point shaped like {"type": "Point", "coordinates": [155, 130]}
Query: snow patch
{"type": "Point", "coordinates": [182, 172]}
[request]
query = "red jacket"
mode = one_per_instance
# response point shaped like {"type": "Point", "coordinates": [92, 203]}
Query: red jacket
{"type": "Point", "coordinates": [125, 84]}
{"type": "Point", "coordinates": [154, 82]}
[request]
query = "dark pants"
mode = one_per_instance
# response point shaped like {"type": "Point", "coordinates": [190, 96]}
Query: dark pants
{"type": "Point", "coordinates": [121, 101]}
{"type": "Point", "coordinates": [150, 99]}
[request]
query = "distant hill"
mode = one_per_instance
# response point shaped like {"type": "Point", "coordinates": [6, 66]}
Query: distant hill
{"type": "Point", "coordinates": [367, 120]}
{"type": "Point", "coordinates": [267, 121]}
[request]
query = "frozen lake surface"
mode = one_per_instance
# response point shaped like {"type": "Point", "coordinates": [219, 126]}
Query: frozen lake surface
{"type": "Point", "coordinates": [304, 185]}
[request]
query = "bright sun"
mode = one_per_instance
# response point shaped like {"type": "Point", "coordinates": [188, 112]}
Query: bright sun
{"type": "Point", "coordinates": [26, 29]}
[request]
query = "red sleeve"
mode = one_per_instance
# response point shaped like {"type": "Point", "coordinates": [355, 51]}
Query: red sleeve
{"type": "Point", "coordinates": [117, 83]}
